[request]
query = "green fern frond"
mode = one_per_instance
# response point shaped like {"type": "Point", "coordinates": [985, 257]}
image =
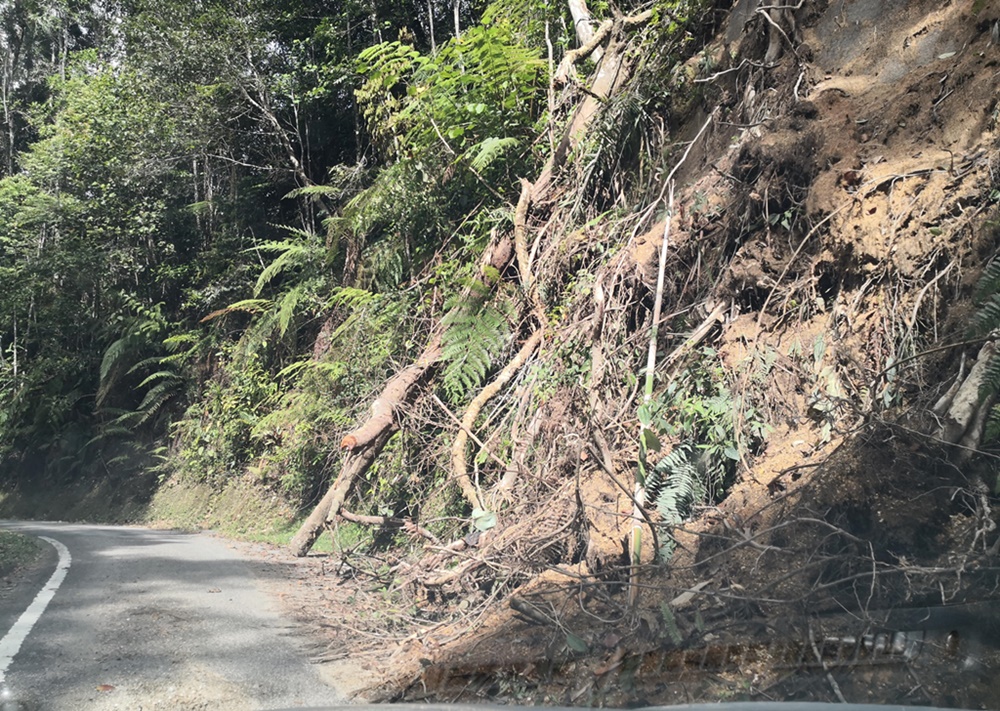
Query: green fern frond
{"type": "Point", "coordinates": [109, 432]}
{"type": "Point", "coordinates": [112, 355]}
{"type": "Point", "coordinates": [335, 369]}
{"type": "Point", "coordinates": [146, 363]}
{"type": "Point", "coordinates": [176, 341]}
{"type": "Point", "coordinates": [485, 152]}
{"type": "Point", "coordinates": [159, 375]}
{"type": "Point", "coordinates": [475, 334]}
{"type": "Point", "coordinates": [991, 379]}
{"type": "Point", "coordinates": [676, 484]}
{"type": "Point", "coordinates": [250, 306]}
{"type": "Point", "coordinates": [351, 297]}
{"type": "Point", "coordinates": [989, 282]}
{"type": "Point", "coordinates": [987, 317]}
{"type": "Point", "coordinates": [293, 255]}
{"type": "Point", "coordinates": [154, 400]}
{"type": "Point", "coordinates": [201, 207]}
{"type": "Point", "coordinates": [328, 191]}
{"type": "Point", "coordinates": [286, 308]}
{"type": "Point", "coordinates": [282, 244]}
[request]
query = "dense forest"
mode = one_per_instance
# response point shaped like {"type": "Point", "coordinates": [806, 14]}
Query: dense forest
{"type": "Point", "coordinates": [226, 225]}
{"type": "Point", "coordinates": [221, 221]}
{"type": "Point", "coordinates": [624, 303]}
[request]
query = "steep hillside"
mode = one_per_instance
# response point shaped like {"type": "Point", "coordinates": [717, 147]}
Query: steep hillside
{"type": "Point", "coordinates": [812, 442]}
{"type": "Point", "coordinates": [622, 355]}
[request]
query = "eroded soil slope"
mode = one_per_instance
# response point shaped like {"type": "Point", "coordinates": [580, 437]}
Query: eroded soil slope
{"type": "Point", "coordinates": [841, 206]}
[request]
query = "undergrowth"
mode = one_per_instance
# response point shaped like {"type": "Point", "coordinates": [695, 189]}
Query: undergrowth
{"type": "Point", "coordinates": [704, 431]}
{"type": "Point", "coordinates": [16, 551]}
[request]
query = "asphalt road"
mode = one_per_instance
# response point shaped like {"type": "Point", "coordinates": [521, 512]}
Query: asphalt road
{"type": "Point", "coordinates": [149, 619]}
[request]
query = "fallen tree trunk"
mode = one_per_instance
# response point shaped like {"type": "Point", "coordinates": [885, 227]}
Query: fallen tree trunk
{"type": "Point", "coordinates": [366, 442]}
{"type": "Point", "coordinates": [392, 396]}
{"type": "Point", "coordinates": [356, 464]}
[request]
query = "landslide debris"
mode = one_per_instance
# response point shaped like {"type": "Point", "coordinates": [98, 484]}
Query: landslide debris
{"type": "Point", "coordinates": [831, 225]}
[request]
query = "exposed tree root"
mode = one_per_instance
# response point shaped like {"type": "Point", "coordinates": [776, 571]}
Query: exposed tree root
{"type": "Point", "coordinates": [458, 454]}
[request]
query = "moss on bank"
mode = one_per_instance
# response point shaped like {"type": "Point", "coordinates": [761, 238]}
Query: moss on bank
{"type": "Point", "coordinates": [240, 509]}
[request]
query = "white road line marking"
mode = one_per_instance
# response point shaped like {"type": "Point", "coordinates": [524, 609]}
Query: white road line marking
{"type": "Point", "coordinates": [12, 641]}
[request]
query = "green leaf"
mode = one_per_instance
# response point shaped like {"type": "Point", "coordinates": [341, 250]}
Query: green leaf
{"type": "Point", "coordinates": [819, 349]}
{"type": "Point", "coordinates": [670, 623]}
{"type": "Point", "coordinates": [484, 153]}
{"type": "Point", "coordinates": [484, 521]}
{"type": "Point", "coordinates": [576, 644]}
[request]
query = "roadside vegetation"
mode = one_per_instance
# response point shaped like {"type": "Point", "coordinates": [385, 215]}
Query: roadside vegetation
{"type": "Point", "coordinates": [17, 551]}
{"type": "Point", "coordinates": [550, 318]}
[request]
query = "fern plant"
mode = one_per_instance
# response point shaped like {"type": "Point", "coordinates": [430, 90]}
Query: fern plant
{"type": "Point", "coordinates": [675, 485]}
{"type": "Point", "coordinates": [476, 331]}
{"type": "Point", "coordinates": [987, 319]}
{"type": "Point", "coordinates": [698, 412]}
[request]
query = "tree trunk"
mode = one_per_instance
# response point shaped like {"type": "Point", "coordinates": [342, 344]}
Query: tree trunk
{"type": "Point", "coordinates": [430, 22]}
{"type": "Point", "coordinates": [584, 26]}
{"type": "Point", "coordinates": [357, 463]}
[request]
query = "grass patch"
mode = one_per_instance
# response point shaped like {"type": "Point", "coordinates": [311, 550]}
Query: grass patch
{"type": "Point", "coordinates": [281, 535]}
{"type": "Point", "coordinates": [17, 551]}
{"type": "Point", "coordinates": [240, 510]}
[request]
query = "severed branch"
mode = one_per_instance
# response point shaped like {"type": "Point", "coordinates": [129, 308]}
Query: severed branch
{"type": "Point", "coordinates": [365, 520]}
{"type": "Point", "coordinates": [407, 524]}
